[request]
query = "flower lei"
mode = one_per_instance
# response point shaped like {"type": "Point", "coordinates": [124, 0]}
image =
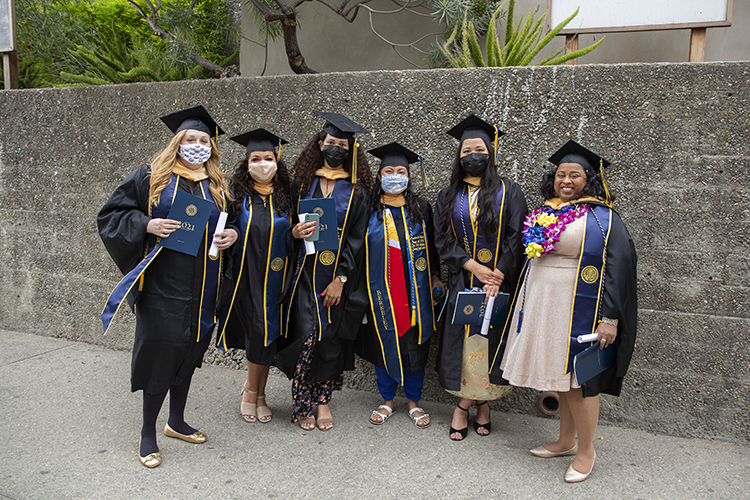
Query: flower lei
{"type": "Point", "coordinates": [543, 227]}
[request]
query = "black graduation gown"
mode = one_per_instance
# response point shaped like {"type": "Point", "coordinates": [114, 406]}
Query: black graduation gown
{"type": "Point", "coordinates": [367, 345]}
{"type": "Point", "coordinates": [335, 352]}
{"type": "Point", "coordinates": [510, 261]}
{"type": "Point", "coordinates": [166, 351]}
{"type": "Point", "coordinates": [245, 327]}
{"type": "Point", "coordinates": [620, 301]}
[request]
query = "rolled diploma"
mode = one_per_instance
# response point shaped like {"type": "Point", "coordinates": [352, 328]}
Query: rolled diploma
{"type": "Point", "coordinates": [309, 245]}
{"type": "Point", "coordinates": [214, 250]}
{"type": "Point", "coordinates": [591, 337]}
{"type": "Point", "coordinates": [487, 316]}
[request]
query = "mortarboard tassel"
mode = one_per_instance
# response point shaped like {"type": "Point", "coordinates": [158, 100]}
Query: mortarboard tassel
{"type": "Point", "coordinates": [354, 161]}
{"type": "Point", "coordinates": [606, 191]}
{"type": "Point", "coordinates": [278, 157]}
{"type": "Point", "coordinates": [425, 184]}
{"type": "Point", "coordinates": [495, 127]}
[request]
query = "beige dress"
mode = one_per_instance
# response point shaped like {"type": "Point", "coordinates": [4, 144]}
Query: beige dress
{"type": "Point", "coordinates": [475, 381]}
{"type": "Point", "coordinates": [536, 356]}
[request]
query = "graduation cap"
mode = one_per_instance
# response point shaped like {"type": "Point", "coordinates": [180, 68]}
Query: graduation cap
{"type": "Point", "coordinates": [339, 126]}
{"type": "Point", "coordinates": [259, 139]}
{"type": "Point", "coordinates": [473, 127]}
{"type": "Point", "coordinates": [396, 155]}
{"type": "Point", "coordinates": [195, 118]}
{"type": "Point", "coordinates": [572, 152]}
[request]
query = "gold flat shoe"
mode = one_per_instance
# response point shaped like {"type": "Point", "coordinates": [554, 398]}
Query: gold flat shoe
{"type": "Point", "coordinates": [197, 437]}
{"type": "Point", "coordinates": [545, 453]}
{"type": "Point", "coordinates": [152, 460]}
{"type": "Point", "coordinates": [573, 476]}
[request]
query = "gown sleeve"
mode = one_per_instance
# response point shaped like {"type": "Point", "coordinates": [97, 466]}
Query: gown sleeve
{"type": "Point", "coordinates": [619, 300]}
{"type": "Point", "coordinates": [123, 219]}
{"type": "Point", "coordinates": [511, 251]}
{"type": "Point", "coordinates": [448, 248]}
{"type": "Point", "coordinates": [353, 245]}
{"type": "Point", "coordinates": [430, 227]}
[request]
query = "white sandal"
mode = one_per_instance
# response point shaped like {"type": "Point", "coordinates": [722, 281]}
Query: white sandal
{"type": "Point", "coordinates": [417, 419]}
{"type": "Point", "coordinates": [383, 417]}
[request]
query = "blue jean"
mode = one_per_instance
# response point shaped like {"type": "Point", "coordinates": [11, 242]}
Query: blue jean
{"type": "Point", "coordinates": [412, 384]}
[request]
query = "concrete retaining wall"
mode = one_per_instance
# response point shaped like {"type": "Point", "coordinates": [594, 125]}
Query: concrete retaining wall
{"type": "Point", "coordinates": [676, 133]}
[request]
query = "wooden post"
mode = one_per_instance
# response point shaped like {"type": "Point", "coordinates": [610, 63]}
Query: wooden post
{"type": "Point", "coordinates": [571, 45]}
{"type": "Point", "coordinates": [697, 44]}
{"type": "Point", "coordinates": [10, 70]}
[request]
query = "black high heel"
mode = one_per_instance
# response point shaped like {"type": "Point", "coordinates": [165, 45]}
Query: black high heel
{"type": "Point", "coordinates": [487, 426]}
{"type": "Point", "coordinates": [463, 432]}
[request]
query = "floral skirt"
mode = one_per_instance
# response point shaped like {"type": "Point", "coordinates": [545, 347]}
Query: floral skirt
{"type": "Point", "coordinates": [475, 382]}
{"type": "Point", "coordinates": [306, 394]}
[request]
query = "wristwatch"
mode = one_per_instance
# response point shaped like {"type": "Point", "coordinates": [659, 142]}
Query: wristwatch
{"type": "Point", "coordinates": [342, 278]}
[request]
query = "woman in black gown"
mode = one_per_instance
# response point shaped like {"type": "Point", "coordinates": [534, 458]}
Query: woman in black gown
{"type": "Point", "coordinates": [260, 186]}
{"type": "Point", "coordinates": [403, 269]}
{"type": "Point", "coordinates": [326, 293]}
{"type": "Point", "coordinates": [478, 235]}
{"type": "Point", "coordinates": [176, 296]}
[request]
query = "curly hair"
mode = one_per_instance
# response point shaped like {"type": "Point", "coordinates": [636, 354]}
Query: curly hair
{"type": "Point", "coordinates": [594, 185]}
{"type": "Point", "coordinates": [241, 184]}
{"type": "Point", "coordinates": [412, 205]}
{"type": "Point", "coordinates": [311, 159]}
{"type": "Point", "coordinates": [489, 187]}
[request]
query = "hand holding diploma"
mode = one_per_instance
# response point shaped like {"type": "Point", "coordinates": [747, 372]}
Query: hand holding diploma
{"type": "Point", "coordinates": [223, 238]}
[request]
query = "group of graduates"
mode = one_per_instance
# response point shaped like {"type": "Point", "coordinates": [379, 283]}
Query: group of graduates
{"type": "Point", "coordinates": [308, 312]}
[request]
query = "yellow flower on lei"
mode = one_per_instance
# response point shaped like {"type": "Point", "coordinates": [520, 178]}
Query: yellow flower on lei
{"type": "Point", "coordinates": [534, 250]}
{"type": "Point", "coordinates": [545, 219]}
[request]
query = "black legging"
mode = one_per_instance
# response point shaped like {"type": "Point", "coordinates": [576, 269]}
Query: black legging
{"type": "Point", "coordinates": [152, 404]}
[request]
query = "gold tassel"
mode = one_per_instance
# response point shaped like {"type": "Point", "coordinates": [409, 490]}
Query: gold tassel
{"type": "Point", "coordinates": [495, 143]}
{"type": "Point", "coordinates": [278, 158]}
{"type": "Point", "coordinates": [606, 191]}
{"type": "Point", "coordinates": [354, 161]}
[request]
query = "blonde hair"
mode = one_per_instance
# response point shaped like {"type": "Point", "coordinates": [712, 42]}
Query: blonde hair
{"type": "Point", "coordinates": [163, 165]}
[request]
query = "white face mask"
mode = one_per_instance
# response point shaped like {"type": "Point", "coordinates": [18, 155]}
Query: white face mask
{"type": "Point", "coordinates": [262, 172]}
{"type": "Point", "coordinates": [195, 154]}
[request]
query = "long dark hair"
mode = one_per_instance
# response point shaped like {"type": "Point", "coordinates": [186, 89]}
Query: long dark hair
{"type": "Point", "coordinates": [489, 186]}
{"type": "Point", "coordinates": [311, 159]}
{"type": "Point", "coordinates": [594, 185]}
{"type": "Point", "coordinates": [412, 205]}
{"type": "Point", "coordinates": [241, 184]}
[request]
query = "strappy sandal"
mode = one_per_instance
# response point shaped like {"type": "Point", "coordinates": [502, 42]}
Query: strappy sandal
{"type": "Point", "coordinates": [487, 426]}
{"type": "Point", "coordinates": [307, 423]}
{"type": "Point", "coordinates": [263, 412]}
{"type": "Point", "coordinates": [247, 410]}
{"type": "Point", "coordinates": [463, 432]}
{"type": "Point", "coordinates": [383, 418]}
{"type": "Point", "coordinates": [416, 420]}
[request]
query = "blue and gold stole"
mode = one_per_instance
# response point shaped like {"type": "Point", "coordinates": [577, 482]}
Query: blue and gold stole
{"type": "Point", "coordinates": [584, 316]}
{"type": "Point", "coordinates": [420, 287]}
{"type": "Point", "coordinates": [470, 234]}
{"type": "Point", "coordinates": [212, 267]}
{"type": "Point", "coordinates": [326, 261]}
{"type": "Point", "coordinates": [273, 282]}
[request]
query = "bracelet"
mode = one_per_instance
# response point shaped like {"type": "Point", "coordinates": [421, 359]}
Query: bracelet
{"type": "Point", "coordinates": [609, 321]}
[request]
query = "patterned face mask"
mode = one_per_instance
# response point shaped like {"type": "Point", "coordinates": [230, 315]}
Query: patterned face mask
{"type": "Point", "coordinates": [195, 154]}
{"type": "Point", "coordinates": [394, 183]}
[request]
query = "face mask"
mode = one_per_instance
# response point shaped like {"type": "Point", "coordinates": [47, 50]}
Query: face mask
{"type": "Point", "coordinates": [195, 154]}
{"type": "Point", "coordinates": [335, 155]}
{"type": "Point", "coordinates": [394, 183]}
{"type": "Point", "coordinates": [262, 172]}
{"type": "Point", "coordinates": [475, 163]}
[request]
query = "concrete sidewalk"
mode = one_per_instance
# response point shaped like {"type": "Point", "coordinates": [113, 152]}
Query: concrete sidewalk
{"type": "Point", "coordinates": [70, 428]}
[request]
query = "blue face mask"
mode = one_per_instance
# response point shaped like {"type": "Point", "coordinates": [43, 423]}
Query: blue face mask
{"type": "Point", "coordinates": [394, 183]}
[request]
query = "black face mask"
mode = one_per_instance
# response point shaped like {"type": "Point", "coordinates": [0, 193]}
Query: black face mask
{"type": "Point", "coordinates": [335, 155]}
{"type": "Point", "coordinates": [475, 164]}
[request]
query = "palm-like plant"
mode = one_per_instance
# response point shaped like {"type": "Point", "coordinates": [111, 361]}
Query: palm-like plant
{"type": "Point", "coordinates": [521, 45]}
